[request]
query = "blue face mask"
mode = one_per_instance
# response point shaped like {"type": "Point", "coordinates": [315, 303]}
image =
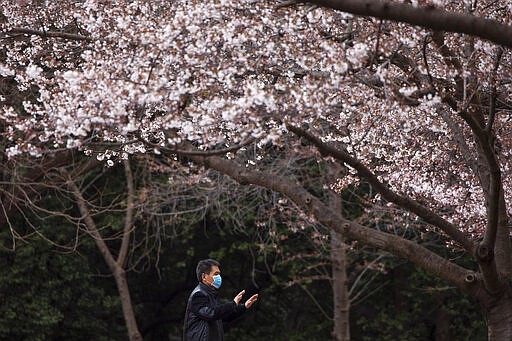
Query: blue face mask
{"type": "Point", "coordinates": [217, 281]}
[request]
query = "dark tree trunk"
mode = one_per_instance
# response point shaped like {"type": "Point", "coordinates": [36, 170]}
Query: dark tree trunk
{"type": "Point", "coordinates": [442, 321]}
{"type": "Point", "coordinates": [341, 300]}
{"type": "Point", "coordinates": [340, 293]}
{"type": "Point", "coordinates": [126, 303]}
{"type": "Point", "coordinates": [499, 319]}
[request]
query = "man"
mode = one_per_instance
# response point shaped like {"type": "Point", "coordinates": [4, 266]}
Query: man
{"type": "Point", "coordinates": [204, 314]}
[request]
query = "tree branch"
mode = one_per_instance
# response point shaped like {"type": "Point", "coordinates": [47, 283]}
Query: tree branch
{"type": "Point", "coordinates": [450, 59]}
{"type": "Point", "coordinates": [49, 34]}
{"type": "Point", "coordinates": [492, 99]}
{"type": "Point", "coordinates": [404, 202]}
{"type": "Point", "coordinates": [90, 225]}
{"type": "Point", "coordinates": [185, 152]}
{"type": "Point", "coordinates": [128, 220]}
{"type": "Point", "coordinates": [493, 211]}
{"type": "Point", "coordinates": [38, 173]}
{"type": "Point", "coordinates": [485, 141]}
{"type": "Point", "coordinates": [428, 17]}
{"type": "Point", "coordinates": [458, 135]}
{"type": "Point", "coordinates": [424, 258]}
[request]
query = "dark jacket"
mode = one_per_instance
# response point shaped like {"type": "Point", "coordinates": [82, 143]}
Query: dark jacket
{"type": "Point", "coordinates": [204, 315]}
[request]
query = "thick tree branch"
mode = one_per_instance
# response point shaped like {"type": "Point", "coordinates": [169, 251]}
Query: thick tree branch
{"type": "Point", "coordinates": [480, 170]}
{"type": "Point", "coordinates": [492, 99]}
{"type": "Point", "coordinates": [503, 247]}
{"type": "Point", "coordinates": [404, 202]}
{"type": "Point", "coordinates": [485, 142]}
{"type": "Point", "coordinates": [428, 17]}
{"type": "Point", "coordinates": [422, 257]}
{"type": "Point", "coordinates": [483, 251]}
{"type": "Point", "coordinates": [489, 173]}
{"type": "Point", "coordinates": [489, 240]}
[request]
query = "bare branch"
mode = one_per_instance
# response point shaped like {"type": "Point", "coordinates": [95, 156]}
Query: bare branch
{"type": "Point", "coordinates": [184, 152]}
{"type": "Point", "coordinates": [91, 226]}
{"type": "Point", "coordinates": [49, 34]}
{"type": "Point", "coordinates": [128, 222]}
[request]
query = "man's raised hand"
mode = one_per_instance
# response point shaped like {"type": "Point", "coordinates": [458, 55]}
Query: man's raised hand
{"type": "Point", "coordinates": [251, 300]}
{"type": "Point", "coordinates": [238, 297]}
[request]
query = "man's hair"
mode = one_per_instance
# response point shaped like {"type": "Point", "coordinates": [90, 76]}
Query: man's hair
{"type": "Point", "coordinates": [205, 266]}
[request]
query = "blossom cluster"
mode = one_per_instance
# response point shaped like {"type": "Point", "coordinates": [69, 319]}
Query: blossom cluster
{"type": "Point", "coordinates": [91, 73]}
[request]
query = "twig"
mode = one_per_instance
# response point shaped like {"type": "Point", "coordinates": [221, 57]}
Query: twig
{"type": "Point", "coordinates": [49, 34]}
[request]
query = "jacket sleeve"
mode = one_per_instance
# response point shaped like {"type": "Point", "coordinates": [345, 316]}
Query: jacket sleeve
{"type": "Point", "coordinates": [239, 310]}
{"type": "Point", "coordinates": [200, 306]}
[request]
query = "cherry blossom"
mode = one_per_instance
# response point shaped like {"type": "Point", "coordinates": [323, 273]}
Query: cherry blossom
{"type": "Point", "coordinates": [424, 110]}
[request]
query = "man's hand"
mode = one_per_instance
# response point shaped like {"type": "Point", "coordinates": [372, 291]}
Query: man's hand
{"type": "Point", "coordinates": [250, 301]}
{"type": "Point", "coordinates": [238, 297]}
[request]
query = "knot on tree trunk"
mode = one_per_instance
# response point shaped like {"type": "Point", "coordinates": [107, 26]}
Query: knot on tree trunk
{"type": "Point", "coordinates": [470, 278]}
{"type": "Point", "coordinates": [484, 253]}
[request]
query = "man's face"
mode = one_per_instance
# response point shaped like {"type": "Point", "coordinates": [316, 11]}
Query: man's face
{"type": "Point", "coordinates": [208, 278]}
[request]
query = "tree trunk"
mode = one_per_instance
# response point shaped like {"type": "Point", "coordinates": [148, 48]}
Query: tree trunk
{"type": "Point", "coordinates": [499, 320]}
{"type": "Point", "coordinates": [442, 320]}
{"type": "Point", "coordinates": [115, 266]}
{"type": "Point", "coordinates": [340, 293]}
{"type": "Point", "coordinates": [126, 303]}
{"type": "Point", "coordinates": [341, 301]}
